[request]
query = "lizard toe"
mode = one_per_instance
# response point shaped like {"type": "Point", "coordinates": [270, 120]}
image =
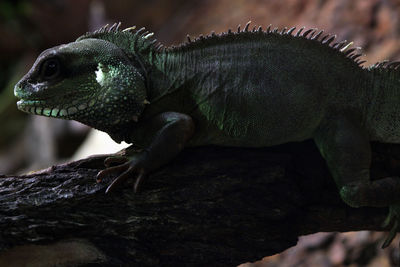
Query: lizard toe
{"type": "Point", "coordinates": [111, 170]}
{"type": "Point", "coordinates": [129, 173]}
{"type": "Point", "coordinates": [113, 160]}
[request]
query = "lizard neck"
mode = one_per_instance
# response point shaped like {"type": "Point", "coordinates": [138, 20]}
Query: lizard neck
{"type": "Point", "coordinates": [383, 105]}
{"type": "Point", "coordinates": [167, 76]}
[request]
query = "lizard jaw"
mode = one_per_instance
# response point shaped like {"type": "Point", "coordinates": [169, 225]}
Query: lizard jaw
{"type": "Point", "coordinates": [39, 108]}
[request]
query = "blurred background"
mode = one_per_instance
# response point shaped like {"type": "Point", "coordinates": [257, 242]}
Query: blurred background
{"type": "Point", "coordinates": [28, 27]}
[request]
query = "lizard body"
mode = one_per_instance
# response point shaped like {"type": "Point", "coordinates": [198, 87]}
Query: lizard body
{"type": "Point", "coordinates": [248, 89]}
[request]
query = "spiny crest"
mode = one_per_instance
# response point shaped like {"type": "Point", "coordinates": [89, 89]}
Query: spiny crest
{"type": "Point", "coordinates": [310, 34]}
{"type": "Point", "coordinates": [129, 38]}
{"type": "Point", "coordinates": [385, 65]}
{"type": "Point", "coordinates": [142, 40]}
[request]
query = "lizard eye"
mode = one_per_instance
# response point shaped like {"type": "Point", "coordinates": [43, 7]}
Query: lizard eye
{"type": "Point", "coordinates": [50, 68]}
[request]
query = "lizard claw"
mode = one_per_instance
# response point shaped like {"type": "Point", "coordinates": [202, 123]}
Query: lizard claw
{"type": "Point", "coordinates": [110, 170]}
{"type": "Point", "coordinates": [127, 169]}
{"type": "Point", "coordinates": [393, 217]}
{"type": "Point", "coordinates": [125, 176]}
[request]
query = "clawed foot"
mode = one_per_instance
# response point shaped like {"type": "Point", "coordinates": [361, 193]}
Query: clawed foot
{"type": "Point", "coordinates": [126, 168]}
{"type": "Point", "coordinates": [392, 218]}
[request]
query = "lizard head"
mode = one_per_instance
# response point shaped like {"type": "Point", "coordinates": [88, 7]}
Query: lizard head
{"type": "Point", "coordinates": [90, 80]}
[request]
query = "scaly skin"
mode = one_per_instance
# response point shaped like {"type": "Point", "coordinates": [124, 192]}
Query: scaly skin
{"type": "Point", "coordinates": [246, 89]}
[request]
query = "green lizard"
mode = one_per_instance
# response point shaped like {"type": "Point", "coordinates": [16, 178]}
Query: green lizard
{"type": "Point", "coordinates": [251, 88]}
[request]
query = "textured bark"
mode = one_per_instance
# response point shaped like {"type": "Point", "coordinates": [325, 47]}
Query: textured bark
{"type": "Point", "coordinates": [212, 205]}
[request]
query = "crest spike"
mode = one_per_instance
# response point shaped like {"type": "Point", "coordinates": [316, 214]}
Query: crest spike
{"type": "Point", "coordinates": [246, 28]}
{"type": "Point", "coordinates": [327, 42]}
{"type": "Point", "coordinates": [148, 35]}
{"type": "Point", "coordinates": [356, 56]}
{"type": "Point", "coordinates": [339, 45]}
{"type": "Point", "coordinates": [129, 29]}
{"type": "Point", "coordinates": [102, 29]}
{"type": "Point", "coordinates": [289, 32]}
{"type": "Point", "coordinates": [346, 46]}
{"type": "Point", "coordinates": [138, 32]}
{"type": "Point", "coordinates": [112, 28]}
{"type": "Point", "coordinates": [315, 37]}
{"type": "Point", "coordinates": [312, 33]}
{"type": "Point", "coordinates": [299, 31]}
{"type": "Point", "coordinates": [348, 52]}
{"type": "Point", "coordinates": [324, 38]}
{"type": "Point", "coordinates": [117, 27]}
{"type": "Point", "coordinates": [144, 33]}
{"type": "Point", "coordinates": [307, 33]}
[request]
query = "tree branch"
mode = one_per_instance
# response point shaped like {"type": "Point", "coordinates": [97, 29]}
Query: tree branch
{"type": "Point", "coordinates": [211, 206]}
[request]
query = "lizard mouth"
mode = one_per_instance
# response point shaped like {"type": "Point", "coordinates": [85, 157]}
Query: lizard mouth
{"type": "Point", "coordinates": [40, 108]}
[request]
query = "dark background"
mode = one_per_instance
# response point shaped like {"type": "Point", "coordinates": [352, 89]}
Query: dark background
{"type": "Point", "coordinates": [28, 27]}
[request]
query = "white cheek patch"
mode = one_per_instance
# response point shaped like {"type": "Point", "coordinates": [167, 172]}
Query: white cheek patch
{"type": "Point", "coordinates": [100, 74]}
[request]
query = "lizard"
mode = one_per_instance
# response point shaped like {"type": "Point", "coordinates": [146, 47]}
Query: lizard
{"type": "Point", "coordinates": [244, 88]}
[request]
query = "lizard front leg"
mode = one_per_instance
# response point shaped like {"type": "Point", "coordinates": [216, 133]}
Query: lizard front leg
{"type": "Point", "coordinates": [346, 148]}
{"type": "Point", "coordinates": [166, 134]}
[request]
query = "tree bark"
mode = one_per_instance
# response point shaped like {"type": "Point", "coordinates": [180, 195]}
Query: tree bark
{"type": "Point", "coordinates": [211, 206]}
